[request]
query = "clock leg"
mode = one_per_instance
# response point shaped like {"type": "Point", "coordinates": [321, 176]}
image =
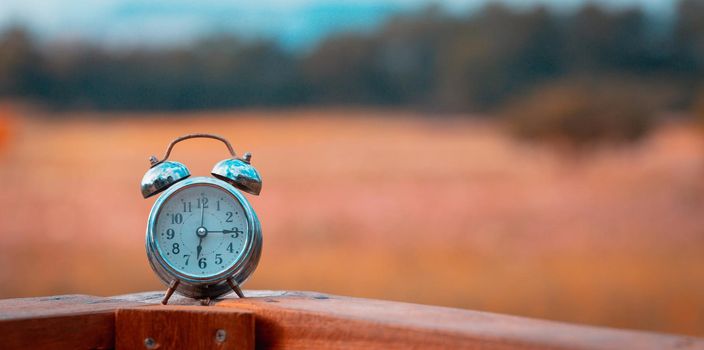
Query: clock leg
{"type": "Point", "coordinates": [170, 291]}
{"type": "Point", "coordinates": [235, 287]}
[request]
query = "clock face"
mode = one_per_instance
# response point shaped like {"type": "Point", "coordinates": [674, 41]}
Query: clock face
{"type": "Point", "coordinates": [201, 230]}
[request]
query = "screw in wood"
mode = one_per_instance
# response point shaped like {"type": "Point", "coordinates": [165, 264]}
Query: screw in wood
{"type": "Point", "coordinates": [150, 343]}
{"type": "Point", "coordinates": [220, 335]}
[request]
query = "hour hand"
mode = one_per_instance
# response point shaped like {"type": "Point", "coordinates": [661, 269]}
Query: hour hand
{"type": "Point", "coordinates": [199, 248]}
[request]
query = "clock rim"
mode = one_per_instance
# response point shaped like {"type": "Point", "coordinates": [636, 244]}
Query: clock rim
{"type": "Point", "coordinates": [215, 284]}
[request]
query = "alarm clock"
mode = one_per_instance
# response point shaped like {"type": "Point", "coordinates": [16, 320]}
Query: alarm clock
{"type": "Point", "coordinates": [203, 237]}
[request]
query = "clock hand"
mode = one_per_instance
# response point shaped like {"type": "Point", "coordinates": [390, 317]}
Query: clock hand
{"type": "Point", "coordinates": [226, 231]}
{"type": "Point", "coordinates": [235, 231]}
{"type": "Point", "coordinates": [202, 217]}
{"type": "Point", "coordinates": [201, 232]}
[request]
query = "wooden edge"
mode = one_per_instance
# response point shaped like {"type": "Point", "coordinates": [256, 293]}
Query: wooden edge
{"type": "Point", "coordinates": [314, 320]}
{"type": "Point", "coordinates": [183, 327]}
{"type": "Point", "coordinates": [59, 322]}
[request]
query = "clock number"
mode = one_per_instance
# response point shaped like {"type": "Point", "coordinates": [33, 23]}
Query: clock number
{"type": "Point", "coordinates": [204, 202]}
{"type": "Point", "coordinates": [187, 207]}
{"type": "Point", "coordinates": [175, 248]}
{"type": "Point", "coordinates": [217, 205]}
{"type": "Point", "coordinates": [187, 257]}
{"type": "Point", "coordinates": [177, 218]}
{"type": "Point", "coordinates": [170, 234]}
{"type": "Point", "coordinates": [229, 248]}
{"type": "Point", "coordinates": [218, 259]}
{"type": "Point", "coordinates": [202, 264]}
{"type": "Point", "coordinates": [229, 216]}
{"type": "Point", "coordinates": [237, 231]}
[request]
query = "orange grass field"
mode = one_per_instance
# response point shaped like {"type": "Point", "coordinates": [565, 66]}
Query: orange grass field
{"type": "Point", "coordinates": [375, 204]}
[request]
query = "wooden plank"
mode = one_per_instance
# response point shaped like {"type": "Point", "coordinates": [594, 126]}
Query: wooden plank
{"type": "Point", "coordinates": [184, 327]}
{"type": "Point", "coordinates": [59, 322]}
{"type": "Point", "coordinates": [298, 320]}
{"type": "Point", "coordinates": [301, 320]}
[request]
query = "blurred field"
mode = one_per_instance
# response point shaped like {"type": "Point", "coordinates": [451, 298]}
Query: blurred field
{"type": "Point", "coordinates": [445, 212]}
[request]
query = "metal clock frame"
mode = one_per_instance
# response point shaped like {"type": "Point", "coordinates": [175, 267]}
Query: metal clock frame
{"type": "Point", "coordinates": [214, 285]}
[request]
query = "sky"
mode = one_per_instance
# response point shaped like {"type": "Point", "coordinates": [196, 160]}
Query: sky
{"type": "Point", "coordinates": [293, 23]}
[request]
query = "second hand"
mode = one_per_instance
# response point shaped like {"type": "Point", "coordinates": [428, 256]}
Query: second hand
{"type": "Point", "coordinates": [205, 231]}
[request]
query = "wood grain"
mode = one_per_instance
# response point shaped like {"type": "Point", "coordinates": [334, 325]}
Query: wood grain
{"type": "Point", "coordinates": [59, 322]}
{"type": "Point", "coordinates": [301, 320]}
{"type": "Point", "coordinates": [295, 320]}
{"type": "Point", "coordinates": [184, 327]}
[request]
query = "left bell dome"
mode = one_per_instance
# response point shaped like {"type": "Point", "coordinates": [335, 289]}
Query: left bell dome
{"type": "Point", "coordinates": [162, 176]}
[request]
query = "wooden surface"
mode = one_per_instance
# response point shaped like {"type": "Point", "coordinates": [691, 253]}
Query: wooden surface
{"type": "Point", "coordinates": [184, 327]}
{"type": "Point", "coordinates": [59, 322]}
{"type": "Point", "coordinates": [295, 320]}
{"type": "Point", "coordinates": [298, 320]}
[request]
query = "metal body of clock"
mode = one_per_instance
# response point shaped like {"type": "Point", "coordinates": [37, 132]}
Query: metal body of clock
{"type": "Point", "coordinates": [203, 237]}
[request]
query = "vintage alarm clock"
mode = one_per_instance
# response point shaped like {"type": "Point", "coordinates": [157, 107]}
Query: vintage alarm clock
{"type": "Point", "coordinates": [203, 237]}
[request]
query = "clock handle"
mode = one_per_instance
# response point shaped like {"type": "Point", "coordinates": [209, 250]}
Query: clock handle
{"type": "Point", "coordinates": [156, 161]}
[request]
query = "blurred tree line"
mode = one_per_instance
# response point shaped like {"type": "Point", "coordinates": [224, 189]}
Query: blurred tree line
{"type": "Point", "coordinates": [481, 61]}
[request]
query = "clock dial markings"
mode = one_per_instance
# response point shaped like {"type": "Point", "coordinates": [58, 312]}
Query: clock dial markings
{"type": "Point", "coordinates": [214, 250]}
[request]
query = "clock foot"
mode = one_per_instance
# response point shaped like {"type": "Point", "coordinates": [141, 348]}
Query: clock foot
{"type": "Point", "coordinates": [235, 287]}
{"type": "Point", "coordinates": [170, 291]}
